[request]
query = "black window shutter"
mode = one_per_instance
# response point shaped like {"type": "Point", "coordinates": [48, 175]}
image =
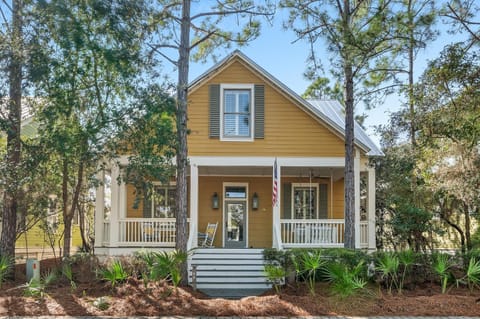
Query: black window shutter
{"type": "Point", "coordinates": [259, 100]}
{"type": "Point", "coordinates": [287, 200]}
{"type": "Point", "coordinates": [323, 201]}
{"type": "Point", "coordinates": [214, 110]}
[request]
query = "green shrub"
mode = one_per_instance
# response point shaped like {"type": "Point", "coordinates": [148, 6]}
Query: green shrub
{"type": "Point", "coordinates": [472, 274]}
{"type": "Point", "coordinates": [163, 265]}
{"type": "Point", "coordinates": [114, 273]}
{"type": "Point", "coordinates": [441, 264]}
{"type": "Point", "coordinates": [388, 265]}
{"type": "Point", "coordinates": [345, 280]}
{"type": "Point", "coordinates": [6, 266]}
{"type": "Point", "coordinates": [276, 275]}
{"type": "Point", "coordinates": [37, 287]}
{"type": "Point", "coordinates": [307, 265]}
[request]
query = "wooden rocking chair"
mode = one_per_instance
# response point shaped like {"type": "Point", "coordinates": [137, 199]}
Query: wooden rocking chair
{"type": "Point", "coordinates": [206, 239]}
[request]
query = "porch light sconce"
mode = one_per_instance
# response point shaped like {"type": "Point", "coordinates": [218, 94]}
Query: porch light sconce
{"type": "Point", "coordinates": [255, 201]}
{"type": "Point", "coordinates": [215, 201]}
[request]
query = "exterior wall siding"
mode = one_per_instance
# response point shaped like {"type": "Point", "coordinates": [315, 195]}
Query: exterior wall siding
{"type": "Point", "coordinates": [289, 131]}
{"type": "Point", "coordinates": [259, 220]}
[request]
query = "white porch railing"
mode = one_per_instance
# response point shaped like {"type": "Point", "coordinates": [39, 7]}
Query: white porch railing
{"type": "Point", "coordinates": [146, 232]}
{"type": "Point", "coordinates": [106, 232]}
{"type": "Point", "coordinates": [364, 234]}
{"type": "Point", "coordinates": [312, 232]}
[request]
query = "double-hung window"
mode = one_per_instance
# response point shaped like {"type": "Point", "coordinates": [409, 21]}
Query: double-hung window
{"type": "Point", "coordinates": [237, 113]}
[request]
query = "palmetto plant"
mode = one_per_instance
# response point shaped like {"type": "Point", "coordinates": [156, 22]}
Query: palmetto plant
{"type": "Point", "coordinates": [166, 265]}
{"type": "Point", "coordinates": [37, 287]}
{"type": "Point", "coordinates": [472, 274]}
{"type": "Point", "coordinates": [6, 264]}
{"type": "Point", "coordinates": [114, 273]}
{"type": "Point", "coordinates": [407, 259]}
{"type": "Point", "coordinates": [441, 266]}
{"type": "Point", "coordinates": [388, 265]}
{"type": "Point", "coordinates": [68, 274]}
{"type": "Point", "coordinates": [308, 265]}
{"type": "Point", "coordinates": [345, 280]}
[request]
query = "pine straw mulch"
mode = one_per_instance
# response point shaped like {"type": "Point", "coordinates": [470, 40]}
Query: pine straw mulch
{"type": "Point", "coordinates": [135, 298]}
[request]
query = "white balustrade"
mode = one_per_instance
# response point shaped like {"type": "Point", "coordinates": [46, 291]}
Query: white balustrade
{"type": "Point", "coordinates": [364, 234]}
{"type": "Point", "coordinates": [312, 232]}
{"type": "Point", "coordinates": [106, 232]}
{"type": "Point", "coordinates": [147, 232]}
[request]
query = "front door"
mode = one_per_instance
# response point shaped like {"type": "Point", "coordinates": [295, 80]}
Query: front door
{"type": "Point", "coordinates": [235, 217]}
{"type": "Point", "coordinates": [235, 225]}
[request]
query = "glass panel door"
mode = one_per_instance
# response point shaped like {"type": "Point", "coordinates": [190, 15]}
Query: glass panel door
{"type": "Point", "coordinates": [235, 224]}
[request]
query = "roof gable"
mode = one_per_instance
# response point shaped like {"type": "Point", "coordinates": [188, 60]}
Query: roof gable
{"type": "Point", "coordinates": [327, 112]}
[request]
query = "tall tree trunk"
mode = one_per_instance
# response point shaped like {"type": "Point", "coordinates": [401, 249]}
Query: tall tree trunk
{"type": "Point", "coordinates": [349, 135]}
{"type": "Point", "coordinates": [411, 57]}
{"type": "Point", "coordinates": [68, 218]}
{"type": "Point", "coordinates": [349, 161]}
{"type": "Point", "coordinates": [182, 149]}
{"type": "Point", "coordinates": [468, 239]}
{"type": "Point", "coordinates": [9, 220]}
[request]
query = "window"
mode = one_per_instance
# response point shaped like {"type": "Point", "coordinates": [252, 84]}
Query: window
{"type": "Point", "coordinates": [305, 201]}
{"type": "Point", "coordinates": [161, 203]}
{"type": "Point", "coordinates": [237, 112]}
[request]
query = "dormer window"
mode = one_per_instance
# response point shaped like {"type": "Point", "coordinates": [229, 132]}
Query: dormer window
{"type": "Point", "coordinates": [236, 112]}
{"type": "Point", "coordinates": [237, 108]}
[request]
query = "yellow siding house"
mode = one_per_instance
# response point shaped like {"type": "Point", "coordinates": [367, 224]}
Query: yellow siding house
{"type": "Point", "coordinates": [265, 164]}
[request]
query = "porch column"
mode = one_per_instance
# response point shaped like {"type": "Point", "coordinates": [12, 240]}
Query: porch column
{"type": "Point", "coordinates": [372, 245]}
{"type": "Point", "coordinates": [193, 238]}
{"type": "Point", "coordinates": [277, 232]}
{"type": "Point", "coordinates": [357, 197]}
{"type": "Point", "coordinates": [114, 214]}
{"type": "Point", "coordinates": [99, 209]}
{"type": "Point", "coordinates": [122, 200]}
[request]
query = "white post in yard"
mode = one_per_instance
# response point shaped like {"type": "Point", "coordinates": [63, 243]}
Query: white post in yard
{"type": "Point", "coordinates": [357, 197]}
{"type": "Point", "coordinates": [192, 241]}
{"type": "Point", "coordinates": [115, 212]}
{"type": "Point", "coordinates": [372, 245]}
{"type": "Point", "coordinates": [99, 209]}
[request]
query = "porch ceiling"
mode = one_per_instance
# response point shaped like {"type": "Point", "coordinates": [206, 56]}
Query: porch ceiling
{"type": "Point", "coordinates": [336, 173]}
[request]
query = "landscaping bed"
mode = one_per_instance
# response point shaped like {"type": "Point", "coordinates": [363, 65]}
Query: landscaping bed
{"type": "Point", "coordinates": [135, 297]}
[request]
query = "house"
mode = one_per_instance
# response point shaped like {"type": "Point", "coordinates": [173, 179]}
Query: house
{"type": "Point", "coordinates": [35, 240]}
{"type": "Point", "coordinates": [245, 125]}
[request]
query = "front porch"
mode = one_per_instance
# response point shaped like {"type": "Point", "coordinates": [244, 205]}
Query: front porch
{"type": "Point", "coordinates": [160, 233]}
{"type": "Point", "coordinates": [315, 182]}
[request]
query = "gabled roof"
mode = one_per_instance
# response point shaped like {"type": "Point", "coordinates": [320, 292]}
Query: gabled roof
{"type": "Point", "coordinates": [328, 112]}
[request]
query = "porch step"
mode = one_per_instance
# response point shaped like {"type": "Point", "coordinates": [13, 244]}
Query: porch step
{"type": "Point", "coordinates": [228, 272]}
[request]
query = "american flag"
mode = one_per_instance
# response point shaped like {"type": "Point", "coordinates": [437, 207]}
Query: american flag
{"type": "Point", "coordinates": [275, 184]}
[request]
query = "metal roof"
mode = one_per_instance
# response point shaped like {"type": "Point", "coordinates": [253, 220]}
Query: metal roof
{"type": "Point", "coordinates": [334, 111]}
{"type": "Point", "coordinates": [329, 112]}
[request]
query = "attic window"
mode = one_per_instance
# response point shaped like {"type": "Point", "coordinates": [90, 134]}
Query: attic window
{"type": "Point", "coordinates": [237, 112]}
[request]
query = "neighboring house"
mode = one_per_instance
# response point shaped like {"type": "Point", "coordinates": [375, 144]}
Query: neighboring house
{"type": "Point", "coordinates": [36, 242]}
{"type": "Point", "coordinates": [244, 124]}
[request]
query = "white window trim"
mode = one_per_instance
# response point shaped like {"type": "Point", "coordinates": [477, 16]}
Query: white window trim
{"type": "Point", "coordinates": [247, 208]}
{"type": "Point", "coordinates": [312, 185]}
{"type": "Point", "coordinates": [235, 86]}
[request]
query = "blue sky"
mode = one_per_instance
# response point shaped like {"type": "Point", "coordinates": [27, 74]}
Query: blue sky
{"type": "Point", "coordinates": [278, 53]}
